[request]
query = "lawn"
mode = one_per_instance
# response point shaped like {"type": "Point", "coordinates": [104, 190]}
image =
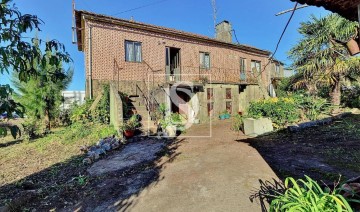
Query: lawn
{"type": "Point", "coordinates": [323, 152]}
{"type": "Point", "coordinates": [53, 162]}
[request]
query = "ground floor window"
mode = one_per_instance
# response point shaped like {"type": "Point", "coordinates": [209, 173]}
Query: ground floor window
{"type": "Point", "coordinates": [228, 93]}
{"type": "Point", "coordinates": [229, 106]}
{"type": "Point", "coordinates": [210, 108]}
{"type": "Point", "coordinates": [210, 93]}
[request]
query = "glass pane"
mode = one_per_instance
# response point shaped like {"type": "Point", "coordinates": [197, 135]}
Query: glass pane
{"type": "Point", "coordinates": [207, 61]}
{"type": "Point", "coordinates": [137, 52]}
{"type": "Point", "coordinates": [202, 60]}
{"type": "Point", "coordinates": [129, 51]}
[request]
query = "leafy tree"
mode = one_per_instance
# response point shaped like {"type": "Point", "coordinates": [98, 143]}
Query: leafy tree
{"type": "Point", "coordinates": [321, 57]}
{"type": "Point", "coordinates": [41, 96]}
{"type": "Point", "coordinates": [18, 54]}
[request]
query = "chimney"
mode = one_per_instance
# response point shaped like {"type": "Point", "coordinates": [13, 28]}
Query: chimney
{"type": "Point", "coordinates": [223, 31]}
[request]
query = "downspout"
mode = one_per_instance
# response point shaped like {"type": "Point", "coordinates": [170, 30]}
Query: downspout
{"type": "Point", "coordinates": [89, 59]}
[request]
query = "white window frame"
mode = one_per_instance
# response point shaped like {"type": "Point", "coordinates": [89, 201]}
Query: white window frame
{"type": "Point", "coordinates": [202, 60]}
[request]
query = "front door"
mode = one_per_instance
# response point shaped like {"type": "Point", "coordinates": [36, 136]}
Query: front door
{"type": "Point", "coordinates": [172, 64]}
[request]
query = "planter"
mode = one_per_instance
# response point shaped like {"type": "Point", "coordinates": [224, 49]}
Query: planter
{"type": "Point", "coordinates": [227, 116]}
{"type": "Point", "coordinates": [129, 133]}
{"type": "Point", "coordinates": [353, 47]}
{"type": "Point", "coordinates": [171, 131]}
{"type": "Point", "coordinates": [222, 117]}
{"type": "Point", "coordinates": [255, 127]}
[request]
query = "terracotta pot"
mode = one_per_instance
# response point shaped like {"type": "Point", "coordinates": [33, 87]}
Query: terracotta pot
{"type": "Point", "coordinates": [129, 133]}
{"type": "Point", "coordinates": [353, 47]}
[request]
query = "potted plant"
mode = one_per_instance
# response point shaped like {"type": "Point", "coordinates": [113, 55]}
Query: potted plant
{"type": "Point", "coordinates": [130, 126]}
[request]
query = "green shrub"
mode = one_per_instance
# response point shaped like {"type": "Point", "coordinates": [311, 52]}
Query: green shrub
{"type": "Point", "coordinates": [307, 195]}
{"type": "Point", "coordinates": [281, 111]}
{"type": "Point", "coordinates": [350, 97]}
{"type": "Point", "coordinates": [312, 106]}
{"type": "Point", "coordinates": [237, 123]}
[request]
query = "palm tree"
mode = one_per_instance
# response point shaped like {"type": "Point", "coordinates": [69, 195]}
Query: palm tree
{"type": "Point", "coordinates": [321, 57]}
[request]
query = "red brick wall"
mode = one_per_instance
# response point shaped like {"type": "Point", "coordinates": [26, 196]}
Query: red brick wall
{"type": "Point", "coordinates": [108, 46]}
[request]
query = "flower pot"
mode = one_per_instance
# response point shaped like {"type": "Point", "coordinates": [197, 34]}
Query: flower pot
{"type": "Point", "coordinates": [222, 117]}
{"type": "Point", "coordinates": [129, 133]}
{"type": "Point", "coordinates": [171, 130]}
{"type": "Point", "coordinates": [353, 47]}
{"type": "Point", "coordinates": [227, 116]}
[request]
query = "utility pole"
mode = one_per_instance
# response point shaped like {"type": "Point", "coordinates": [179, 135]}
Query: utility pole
{"type": "Point", "coordinates": [73, 28]}
{"type": "Point", "coordinates": [213, 4]}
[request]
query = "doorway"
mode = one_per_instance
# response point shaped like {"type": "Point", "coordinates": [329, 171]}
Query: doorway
{"type": "Point", "coordinates": [172, 64]}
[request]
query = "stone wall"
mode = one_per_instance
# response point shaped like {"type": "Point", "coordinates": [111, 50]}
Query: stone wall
{"type": "Point", "coordinates": [116, 108]}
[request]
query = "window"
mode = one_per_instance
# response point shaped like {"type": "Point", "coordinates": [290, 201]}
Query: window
{"type": "Point", "coordinates": [205, 60]}
{"type": "Point", "coordinates": [242, 65]}
{"type": "Point", "coordinates": [228, 93]}
{"type": "Point", "coordinates": [242, 68]}
{"type": "Point", "coordinates": [210, 107]}
{"type": "Point", "coordinates": [132, 51]}
{"type": "Point", "coordinates": [210, 93]}
{"type": "Point", "coordinates": [255, 66]}
{"type": "Point", "coordinates": [229, 107]}
{"type": "Point", "coordinates": [277, 70]}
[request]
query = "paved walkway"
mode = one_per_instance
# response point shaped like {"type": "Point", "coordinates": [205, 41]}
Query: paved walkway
{"type": "Point", "coordinates": [209, 174]}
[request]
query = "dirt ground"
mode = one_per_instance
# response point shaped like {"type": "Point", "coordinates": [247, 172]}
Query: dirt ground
{"type": "Point", "coordinates": [324, 152]}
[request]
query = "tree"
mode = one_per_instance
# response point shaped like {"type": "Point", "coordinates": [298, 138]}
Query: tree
{"type": "Point", "coordinates": [40, 96]}
{"type": "Point", "coordinates": [321, 57]}
{"type": "Point", "coordinates": [18, 54]}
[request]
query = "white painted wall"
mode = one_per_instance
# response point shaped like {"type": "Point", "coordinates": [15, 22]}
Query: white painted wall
{"type": "Point", "coordinates": [71, 97]}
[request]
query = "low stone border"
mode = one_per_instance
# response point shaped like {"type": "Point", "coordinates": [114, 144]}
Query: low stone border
{"type": "Point", "coordinates": [302, 126]}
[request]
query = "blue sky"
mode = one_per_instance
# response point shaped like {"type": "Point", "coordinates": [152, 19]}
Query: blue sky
{"type": "Point", "coordinates": [254, 21]}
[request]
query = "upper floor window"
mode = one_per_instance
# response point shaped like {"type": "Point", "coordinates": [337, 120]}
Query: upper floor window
{"type": "Point", "coordinates": [242, 65]}
{"type": "Point", "coordinates": [255, 66]}
{"type": "Point", "coordinates": [205, 60]}
{"type": "Point", "coordinates": [277, 69]}
{"type": "Point", "coordinates": [133, 51]}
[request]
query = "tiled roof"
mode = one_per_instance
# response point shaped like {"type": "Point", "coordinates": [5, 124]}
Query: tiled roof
{"type": "Point", "coordinates": [158, 29]}
{"type": "Point", "coordinates": [345, 8]}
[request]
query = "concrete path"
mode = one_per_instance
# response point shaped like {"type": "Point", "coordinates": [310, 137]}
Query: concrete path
{"type": "Point", "coordinates": [209, 174]}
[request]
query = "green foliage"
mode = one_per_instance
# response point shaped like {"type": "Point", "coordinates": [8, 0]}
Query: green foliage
{"type": "Point", "coordinates": [237, 123]}
{"type": "Point", "coordinates": [80, 112]}
{"type": "Point", "coordinates": [31, 129]}
{"type": "Point", "coordinates": [81, 180]}
{"type": "Point", "coordinates": [307, 195]}
{"type": "Point", "coordinates": [102, 110]}
{"type": "Point", "coordinates": [351, 97]}
{"type": "Point", "coordinates": [283, 87]}
{"type": "Point", "coordinates": [131, 124]}
{"type": "Point", "coordinates": [19, 54]}
{"type": "Point", "coordinates": [280, 110]}
{"type": "Point", "coordinates": [312, 106]}
{"type": "Point", "coordinates": [8, 105]}
{"type": "Point", "coordinates": [41, 96]}
{"type": "Point", "coordinates": [80, 130]}
{"type": "Point", "coordinates": [321, 57]}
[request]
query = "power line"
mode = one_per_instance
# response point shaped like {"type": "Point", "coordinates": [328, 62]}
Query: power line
{"type": "Point", "coordinates": [140, 7]}
{"type": "Point", "coordinates": [282, 35]}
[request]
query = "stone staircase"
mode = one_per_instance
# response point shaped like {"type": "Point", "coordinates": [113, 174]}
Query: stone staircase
{"type": "Point", "coordinates": [138, 103]}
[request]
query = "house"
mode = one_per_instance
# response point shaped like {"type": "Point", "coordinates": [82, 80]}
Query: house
{"type": "Point", "coordinates": [177, 68]}
{"type": "Point", "coordinates": [71, 97]}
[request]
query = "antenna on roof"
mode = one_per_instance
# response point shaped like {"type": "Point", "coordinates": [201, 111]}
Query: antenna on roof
{"type": "Point", "coordinates": [290, 10]}
{"type": "Point", "coordinates": [73, 22]}
{"type": "Point", "coordinates": [213, 4]}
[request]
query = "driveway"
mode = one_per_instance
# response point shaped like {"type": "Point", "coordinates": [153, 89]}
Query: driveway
{"type": "Point", "coordinates": [208, 174]}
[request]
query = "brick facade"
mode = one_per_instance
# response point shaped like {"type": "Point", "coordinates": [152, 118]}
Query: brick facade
{"type": "Point", "coordinates": [108, 55]}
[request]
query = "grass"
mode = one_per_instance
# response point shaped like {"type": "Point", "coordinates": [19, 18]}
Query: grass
{"type": "Point", "coordinates": [23, 158]}
{"type": "Point", "coordinates": [323, 152]}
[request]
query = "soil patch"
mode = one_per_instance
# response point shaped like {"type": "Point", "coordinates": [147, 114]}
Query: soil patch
{"type": "Point", "coordinates": [322, 152]}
